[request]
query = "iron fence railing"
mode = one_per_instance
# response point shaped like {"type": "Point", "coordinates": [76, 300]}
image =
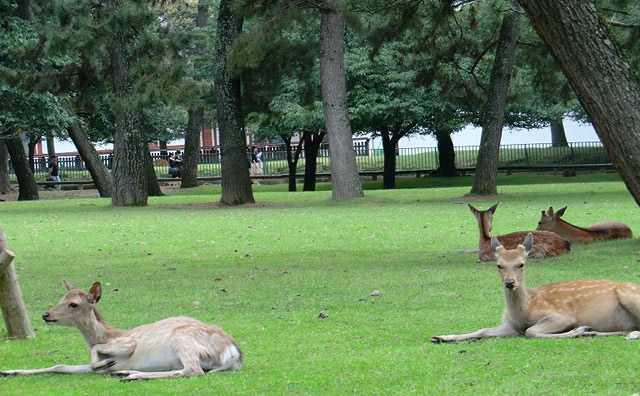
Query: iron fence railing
{"type": "Point", "coordinates": [420, 158]}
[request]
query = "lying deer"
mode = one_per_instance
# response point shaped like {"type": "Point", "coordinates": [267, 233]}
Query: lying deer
{"type": "Point", "coordinates": [560, 310]}
{"type": "Point", "coordinates": [173, 347]}
{"type": "Point", "coordinates": [551, 221]}
{"type": "Point", "coordinates": [547, 243]}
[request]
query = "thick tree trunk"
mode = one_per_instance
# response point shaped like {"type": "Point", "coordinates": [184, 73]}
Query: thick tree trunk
{"type": "Point", "coordinates": [486, 178]}
{"type": "Point", "coordinates": [446, 155]}
{"type": "Point", "coordinates": [191, 143]}
{"type": "Point", "coordinates": [5, 181]}
{"type": "Point", "coordinates": [24, 9]}
{"type": "Point", "coordinates": [236, 184]}
{"type": "Point", "coordinates": [312, 142]}
{"type": "Point", "coordinates": [601, 77]}
{"type": "Point", "coordinates": [130, 147]}
{"type": "Point", "coordinates": [14, 312]}
{"type": "Point", "coordinates": [153, 187]}
{"type": "Point", "coordinates": [558, 135]}
{"type": "Point", "coordinates": [345, 179]}
{"type": "Point", "coordinates": [28, 189]}
{"type": "Point", "coordinates": [99, 173]}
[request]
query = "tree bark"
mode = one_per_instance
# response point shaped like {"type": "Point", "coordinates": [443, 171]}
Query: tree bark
{"type": "Point", "coordinates": [14, 312]}
{"type": "Point", "coordinates": [51, 146]}
{"type": "Point", "coordinates": [603, 80]}
{"type": "Point", "coordinates": [130, 185]}
{"type": "Point", "coordinates": [153, 187]}
{"type": "Point", "coordinates": [99, 173]}
{"type": "Point", "coordinates": [5, 181]}
{"type": "Point", "coordinates": [191, 143]}
{"type": "Point", "coordinates": [24, 9]}
{"type": "Point", "coordinates": [446, 155]}
{"type": "Point", "coordinates": [558, 135]}
{"type": "Point", "coordinates": [486, 177]}
{"type": "Point", "coordinates": [28, 189]}
{"type": "Point", "coordinates": [236, 183]}
{"type": "Point", "coordinates": [33, 141]}
{"type": "Point", "coordinates": [345, 179]}
{"type": "Point", "coordinates": [312, 142]}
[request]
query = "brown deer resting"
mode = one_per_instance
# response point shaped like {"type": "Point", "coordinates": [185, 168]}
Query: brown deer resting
{"type": "Point", "coordinates": [560, 310]}
{"type": "Point", "coordinates": [547, 243]}
{"type": "Point", "coordinates": [604, 230]}
{"type": "Point", "coordinates": [173, 347]}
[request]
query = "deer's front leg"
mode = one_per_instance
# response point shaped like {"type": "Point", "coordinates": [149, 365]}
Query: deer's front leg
{"type": "Point", "coordinates": [506, 330]}
{"type": "Point", "coordinates": [107, 355]}
{"type": "Point", "coordinates": [59, 369]}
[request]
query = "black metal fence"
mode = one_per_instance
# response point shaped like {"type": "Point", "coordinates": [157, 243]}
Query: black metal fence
{"type": "Point", "coordinates": [420, 158]}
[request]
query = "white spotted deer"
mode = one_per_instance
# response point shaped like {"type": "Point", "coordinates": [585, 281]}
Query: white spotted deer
{"type": "Point", "coordinates": [561, 310]}
{"type": "Point", "coordinates": [547, 243]}
{"type": "Point", "coordinates": [174, 347]}
{"type": "Point", "coordinates": [552, 221]}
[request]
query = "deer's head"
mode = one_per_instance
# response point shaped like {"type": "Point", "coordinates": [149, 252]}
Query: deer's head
{"type": "Point", "coordinates": [75, 307]}
{"type": "Point", "coordinates": [510, 263]}
{"type": "Point", "coordinates": [548, 220]}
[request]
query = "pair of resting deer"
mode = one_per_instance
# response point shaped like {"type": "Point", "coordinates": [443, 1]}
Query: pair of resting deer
{"type": "Point", "coordinates": [553, 235]}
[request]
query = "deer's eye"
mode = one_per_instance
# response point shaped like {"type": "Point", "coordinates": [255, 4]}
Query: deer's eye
{"type": "Point", "coordinates": [521, 266]}
{"type": "Point", "coordinates": [73, 305]}
{"type": "Point", "coordinates": [499, 266]}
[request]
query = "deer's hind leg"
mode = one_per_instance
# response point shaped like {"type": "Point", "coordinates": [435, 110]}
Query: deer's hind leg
{"type": "Point", "coordinates": [185, 347]}
{"type": "Point", "coordinates": [629, 297]}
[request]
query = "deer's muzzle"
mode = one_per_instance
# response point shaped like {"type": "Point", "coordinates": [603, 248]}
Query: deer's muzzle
{"type": "Point", "coordinates": [509, 284]}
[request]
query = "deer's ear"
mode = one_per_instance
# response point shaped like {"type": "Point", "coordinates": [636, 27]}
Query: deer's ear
{"type": "Point", "coordinates": [68, 285]}
{"type": "Point", "coordinates": [528, 242]}
{"type": "Point", "coordinates": [561, 212]}
{"type": "Point", "coordinates": [472, 209]}
{"type": "Point", "coordinates": [493, 208]}
{"type": "Point", "coordinates": [495, 244]}
{"type": "Point", "coordinates": [95, 292]}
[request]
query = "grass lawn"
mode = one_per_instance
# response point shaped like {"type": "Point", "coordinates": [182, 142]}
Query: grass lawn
{"type": "Point", "coordinates": [264, 273]}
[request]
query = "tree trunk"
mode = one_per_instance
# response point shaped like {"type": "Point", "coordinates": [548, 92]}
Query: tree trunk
{"type": "Point", "coordinates": [14, 312]}
{"type": "Point", "coordinates": [130, 147]}
{"type": "Point", "coordinates": [51, 146]}
{"type": "Point", "coordinates": [558, 136]}
{"type": "Point", "coordinates": [153, 187]}
{"type": "Point", "coordinates": [24, 9]}
{"type": "Point", "coordinates": [33, 142]}
{"type": "Point", "coordinates": [163, 149]}
{"type": "Point", "coordinates": [312, 142]}
{"type": "Point", "coordinates": [196, 117]}
{"type": "Point", "coordinates": [345, 179]}
{"type": "Point", "coordinates": [191, 143]}
{"type": "Point", "coordinates": [292, 160]}
{"type": "Point", "coordinates": [486, 178]}
{"type": "Point", "coordinates": [389, 144]}
{"type": "Point", "coordinates": [5, 181]}
{"type": "Point", "coordinates": [99, 173]}
{"type": "Point", "coordinates": [236, 183]}
{"type": "Point", "coordinates": [601, 77]}
{"type": "Point", "coordinates": [446, 155]}
{"type": "Point", "coordinates": [28, 189]}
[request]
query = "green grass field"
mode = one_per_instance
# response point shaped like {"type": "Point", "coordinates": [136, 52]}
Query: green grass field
{"type": "Point", "coordinates": [264, 273]}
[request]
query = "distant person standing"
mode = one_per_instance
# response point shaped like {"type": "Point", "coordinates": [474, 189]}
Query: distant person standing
{"type": "Point", "coordinates": [53, 171]}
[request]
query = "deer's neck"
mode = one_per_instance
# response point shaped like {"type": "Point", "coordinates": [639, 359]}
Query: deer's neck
{"type": "Point", "coordinates": [96, 330]}
{"type": "Point", "coordinates": [517, 306]}
{"type": "Point", "coordinates": [484, 225]}
{"type": "Point", "coordinates": [573, 232]}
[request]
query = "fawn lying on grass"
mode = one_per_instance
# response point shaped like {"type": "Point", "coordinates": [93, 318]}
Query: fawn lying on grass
{"type": "Point", "coordinates": [560, 310]}
{"type": "Point", "coordinates": [173, 347]}
{"type": "Point", "coordinates": [604, 230]}
{"type": "Point", "coordinates": [547, 243]}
